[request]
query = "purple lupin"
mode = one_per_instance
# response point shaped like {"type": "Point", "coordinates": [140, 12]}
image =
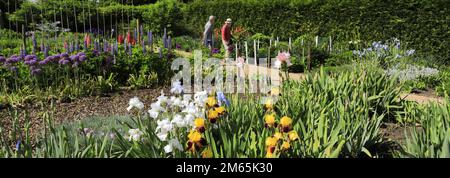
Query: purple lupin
{"type": "Point", "coordinates": [143, 47]}
{"type": "Point", "coordinates": [165, 38]}
{"type": "Point", "coordinates": [150, 39]}
{"type": "Point", "coordinates": [130, 50]}
{"type": "Point", "coordinates": [97, 46]}
{"type": "Point", "coordinates": [169, 43]}
{"type": "Point", "coordinates": [45, 51]}
{"type": "Point", "coordinates": [105, 46]}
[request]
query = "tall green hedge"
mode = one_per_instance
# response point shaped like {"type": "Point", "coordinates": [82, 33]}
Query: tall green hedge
{"type": "Point", "coordinates": [422, 25]}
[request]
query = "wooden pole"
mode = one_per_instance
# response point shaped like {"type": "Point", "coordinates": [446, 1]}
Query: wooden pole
{"type": "Point", "coordinates": [309, 58]}
{"type": "Point", "coordinates": [317, 41]}
{"type": "Point", "coordinates": [24, 38]}
{"type": "Point", "coordinates": [237, 50]}
{"type": "Point", "coordinates": [258, 44]}
{"type": "Point", "coordinates": [246, 52]}
{"type": "Point", "coordinates": [330, 45]}
{"type": "Point", "coordinates": [303, 50]}
{"type": "Point", "coordinates": [290, 45]}
{"type": "Point", "coordinates": [254, 51]}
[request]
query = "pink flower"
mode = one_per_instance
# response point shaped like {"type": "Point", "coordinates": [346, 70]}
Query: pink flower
{"type": "Point", "coordinates": [284, 56]}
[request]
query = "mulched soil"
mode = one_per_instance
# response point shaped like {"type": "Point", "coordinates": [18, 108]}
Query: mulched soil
{"type": "Point", "coordinates": [82, 108]}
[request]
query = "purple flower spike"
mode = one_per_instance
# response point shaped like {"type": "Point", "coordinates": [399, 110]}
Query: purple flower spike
{"type": "Point", "coordinates": [46, 51]}
{"type": "Point", "coordinates": [44, 62]}
{"type": "Point", "coordinates": [64, 55]}
{"type": "Point", "coordinates": [74, 58]}
{"type": "Point", "coordinates": [150, 37]}
{"type": "Point", "coordinates": [96, 52]}
{"type": "Point", "coordinates": [82, 58]}
{"type": "Point", "coordinates": [64, 62]}
{"type": "Point", "coordinates": [2, 59]}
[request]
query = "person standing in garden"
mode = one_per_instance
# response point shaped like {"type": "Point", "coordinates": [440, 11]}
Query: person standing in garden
{"type": "Point", "coordinates": [208, 36]}
{"type": "Point", "coordinates": [226, 37]}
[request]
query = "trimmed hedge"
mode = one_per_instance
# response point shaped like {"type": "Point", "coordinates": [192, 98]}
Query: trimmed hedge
{"type": "Point", "coordinates": [422, 25]}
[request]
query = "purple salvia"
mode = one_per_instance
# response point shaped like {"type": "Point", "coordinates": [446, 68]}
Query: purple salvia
{"type": "Point", "coordinates": [160, 53]}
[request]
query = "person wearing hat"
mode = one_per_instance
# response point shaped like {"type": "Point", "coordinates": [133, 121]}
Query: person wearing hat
{"type": "Point", "coordinates": [208, 33]}
{"type": "Point", "coordinates": [226, 37]}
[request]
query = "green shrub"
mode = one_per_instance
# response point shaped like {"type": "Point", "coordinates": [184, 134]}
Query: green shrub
{"type": "Point", "coordinates": [432, 138]}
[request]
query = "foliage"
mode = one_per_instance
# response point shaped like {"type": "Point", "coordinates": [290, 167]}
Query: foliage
{"type": "Point", "coordinates": [432, 138]}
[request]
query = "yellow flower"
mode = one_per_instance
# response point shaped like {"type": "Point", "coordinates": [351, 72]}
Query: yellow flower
{"type": "Point", "coordinates": [207, 153]}
{"type": "Point", "coordinates": [199, 124]}
{"type": "Point", "coordinates": [194, 136]}
{"type": "Point", "coordinates": [211, 102]}
{"type": "Point", "coordinates": [286, 124]}
{"type": "Point", "coordinates": [293, 135]}
{"type": "Point", "coordinates": [213, 115]}
{"type": "Point", "coordinates": [220, 110]}
{"type": "Point", "coordinates": [285, 145]}
{"type": "Point", "coordinates": [278, 136]}
{"type": "Point", "coordinates": [196, 141]}
{"type": "Point", "coordinates": [268, 105]}
{"type": "Point", "coordinates": [275, 92]}
{"type": "Point", "coordinates": [271, 141]}
{"type": "Point", "coordinates": [270, 120]}
{"type": "Point", "coordinates": [269, 154]}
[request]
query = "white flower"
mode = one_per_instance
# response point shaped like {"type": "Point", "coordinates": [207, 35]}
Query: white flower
{"type": "Point", "coordinates": [164, 127]}
{"type": "Point", "coordinates": [156, 109]}
{"type": "Point", "coordinates": [162, 136]}
{"type": "Point", "coordinates": [173, 143]}
{"type": "Point", "coordinates": [175, 101]}
{"type": "Point", "coordinates": [135, 102]}
{"type": "Point", "coordinates": [186, 99]}
{"type": "Point", "coordinates": [189, 120]}
{"type": "Point", "coordinates": [190, 108]}
{"type": "Point", "coordinates": [176, 88]}
{"type": "Point", "coordinates": [201, 97]}
{"type": "Point", "coordinates": [135, 134]}
{"type": "Point", "coordinates": [277, 64]}
{"type": "Point", "coordinates": [178, 120]}
{"type": "Point", "coordinates": [162, 98]}
{"type": "Point", "coordinates": [153, 113]}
